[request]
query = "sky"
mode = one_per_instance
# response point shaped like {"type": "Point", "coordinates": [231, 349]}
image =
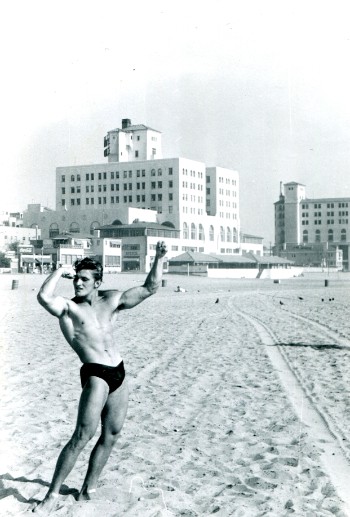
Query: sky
{"type": "Point", "coordinates": [261, 87]}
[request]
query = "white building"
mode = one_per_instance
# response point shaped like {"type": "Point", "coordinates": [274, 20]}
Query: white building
{"type": "Point", "coordinates": [13, 234]}
{"type": "Point", "coordinates": [312, 231]}
{"type": "Point", "coordinates": [138, 185]}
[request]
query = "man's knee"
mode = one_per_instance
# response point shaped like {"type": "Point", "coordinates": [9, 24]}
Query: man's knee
{"type": "Point", "coordinates": [81, 436]}
{"type": "Point", "coordinates": [111, 436]}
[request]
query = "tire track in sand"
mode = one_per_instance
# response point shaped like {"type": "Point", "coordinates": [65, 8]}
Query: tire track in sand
{"type": "Point", "coordinates": [321, 426]}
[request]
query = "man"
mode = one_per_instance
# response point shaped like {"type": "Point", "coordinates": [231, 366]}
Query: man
{"type": "Point", "coordinates": [86, 322]}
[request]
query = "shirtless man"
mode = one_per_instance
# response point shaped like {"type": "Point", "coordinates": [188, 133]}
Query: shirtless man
{"type": "Point", "coordinates": [86, 322]}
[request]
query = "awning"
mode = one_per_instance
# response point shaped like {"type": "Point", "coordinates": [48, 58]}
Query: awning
{"type": "Point", "coordinates": [46, 259]}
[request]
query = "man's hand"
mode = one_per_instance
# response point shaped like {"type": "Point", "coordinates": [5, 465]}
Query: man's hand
{"type": "Point", "coordinates": [68, 272]}
{"type": "Point", "coordinates": [161, 249]}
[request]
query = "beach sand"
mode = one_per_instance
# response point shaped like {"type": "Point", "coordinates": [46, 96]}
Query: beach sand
{"type": "Point", "coordinates": [239, 406]}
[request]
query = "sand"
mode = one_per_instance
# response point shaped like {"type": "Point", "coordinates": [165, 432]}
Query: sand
{"type": "Point", "coordinates": [237, 408]}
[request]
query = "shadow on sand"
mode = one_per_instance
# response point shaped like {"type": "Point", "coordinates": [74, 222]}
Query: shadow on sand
{"type": "Point", "coordinates": [5, 492]}
{"type": "Point", "coordinates": [321, 347]}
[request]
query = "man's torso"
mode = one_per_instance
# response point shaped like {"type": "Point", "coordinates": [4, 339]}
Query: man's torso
{"type": "Point", "coordinates": [88, 328]}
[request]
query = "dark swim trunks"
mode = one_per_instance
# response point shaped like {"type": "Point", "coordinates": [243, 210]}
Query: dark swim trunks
{"type": "Point", "coordinates": [112, 375]}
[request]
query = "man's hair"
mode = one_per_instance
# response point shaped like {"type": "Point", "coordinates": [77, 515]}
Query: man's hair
{"type": "Point", "coordinates": [89, 263]}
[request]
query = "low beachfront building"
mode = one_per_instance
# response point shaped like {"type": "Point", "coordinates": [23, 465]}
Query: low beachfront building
{"type": "Point", "coordinates": [233, 266]}
{"type": "Point", "coordinates": [139, 241]}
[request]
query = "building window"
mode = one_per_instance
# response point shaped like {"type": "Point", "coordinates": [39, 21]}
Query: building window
{"type": "Point", "coordinates": [53, 231]}
{"type": "Point", "coordinates": [330, 235]}
{"type": "Point", "coordinates": [318, 236]}
{"type": "Point", "coordinates": [63, 190]}
{"type": "Point", "coordinates": [201, 233]}
{"type": "Point", "coordinates": [125, 199]}
{"type": "Point", "coordinates": [160, 184]}
{"type": "Point", "coordinates": [112, 175]}
{"type": "Point", "coordinates": [72, 178]}
{"type": "Point", "coordinates": [136, 154]}
{"type": "Point", "coordinates": [170, 171]}
{"type": "Point", "coordinates": [343, 235]}
{"type": "Point", "coordinates": [112, 200]}
{"type": "Point", "coordinates": [87, 201]}
{"type": "Point", "coordinates": [92, 200]}
{"type": "Point", "coordinates": [159, 197]}
{"type": "Point", "coordinates": [305, 237]}
{"type": "Point", "coordinates": [193, 231]}
{"type": "Point", "coordinates": [87, 177]}
{"type": "Point", "coordinates": [92, 177]}
{"type": "Point", "coordinates": [222, 234]}
{"type": "Point", "coordinates": [153, 184]}
{"type": "Point", "coordinates": [100, 201]}
{"type": "Point", "coordinates": [153, 172]}
{"type": "Point", "coordinates": [72, 190]}
{"type": "Point", "coordinates": [170, 196]}
{"type": "Point", "coordinates": [153, 197]}
{"type": "Point", "coordinates": [100, 175]}
{"type": "Point", "coordinates": [63, 178]}
{"type": "Point", "coordinates": [72, 202]}
{"type": "Point", "coordinates": [159, 172]}
{"type": "Point", "coordinates": [78, 201]}
{"type": "Point", "coordinates": [105, 175]}
{"type": "Point", "coordinates": [185, 231]}
{"type": "Point", "coordinates": [211, 233]}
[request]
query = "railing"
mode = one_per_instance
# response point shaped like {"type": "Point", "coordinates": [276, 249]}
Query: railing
{"type": "Point", "coordinates": [72, 246]}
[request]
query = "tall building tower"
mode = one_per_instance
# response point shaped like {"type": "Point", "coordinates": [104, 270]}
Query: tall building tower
{"type": "Point", "coordinates": [132, 143]}
{"type": "Point", "coordinates": [311, 229]}
{"type": "Point", "coordinates": [294, 193]}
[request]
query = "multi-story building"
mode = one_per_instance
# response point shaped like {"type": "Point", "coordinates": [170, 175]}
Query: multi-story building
{"type": "Point", "coordinates": [138, 185]}
{"type": "Point", "coordinates": [312, 230]}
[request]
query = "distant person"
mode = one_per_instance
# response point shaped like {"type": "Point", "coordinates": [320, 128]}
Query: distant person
{"type": "Point", "coordinates": [86, 322]}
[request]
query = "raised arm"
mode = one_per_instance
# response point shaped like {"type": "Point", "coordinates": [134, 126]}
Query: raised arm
{"type": "Point", "coordinates": [136, 295]}
{"type": "Point", "coordinates": [55, 305]}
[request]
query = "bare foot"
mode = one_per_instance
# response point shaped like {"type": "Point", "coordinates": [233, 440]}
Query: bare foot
{"type": "Point", "coordinates": [87, 495]}
{"type": "Point", "coordinates": [46, 505]}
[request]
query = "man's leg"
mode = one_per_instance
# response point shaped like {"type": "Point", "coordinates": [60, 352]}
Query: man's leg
{"type": "Point", "coordinates": [112, 419]}
{"type": "Point", "coordinates": [92, 401]}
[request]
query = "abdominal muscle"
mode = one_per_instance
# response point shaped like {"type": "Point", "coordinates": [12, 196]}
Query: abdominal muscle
{"type": "Point", "coordinates": [92, 344]}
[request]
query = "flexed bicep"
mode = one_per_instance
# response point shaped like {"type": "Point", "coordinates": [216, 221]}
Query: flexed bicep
{"type": "Point", "coordinates": [133, 297]}
{"type": "Point", "coordinates": [55, 305]}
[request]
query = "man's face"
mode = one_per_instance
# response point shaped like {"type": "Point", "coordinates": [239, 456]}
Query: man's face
{"type": "Point", "coordinates": [84, 283]}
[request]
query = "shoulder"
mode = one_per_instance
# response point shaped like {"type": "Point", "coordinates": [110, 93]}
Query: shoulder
{"type": "Point", "coordinates": [111, 297]}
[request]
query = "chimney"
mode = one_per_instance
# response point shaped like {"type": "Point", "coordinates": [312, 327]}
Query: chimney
{"type": "Point", "coordinates": [126, 122]}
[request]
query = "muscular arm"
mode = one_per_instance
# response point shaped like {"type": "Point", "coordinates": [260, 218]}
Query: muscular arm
{"type": "Point", "coordinates": [136, 295]}
{"type": "Point", "coordinates": [55, 305]}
